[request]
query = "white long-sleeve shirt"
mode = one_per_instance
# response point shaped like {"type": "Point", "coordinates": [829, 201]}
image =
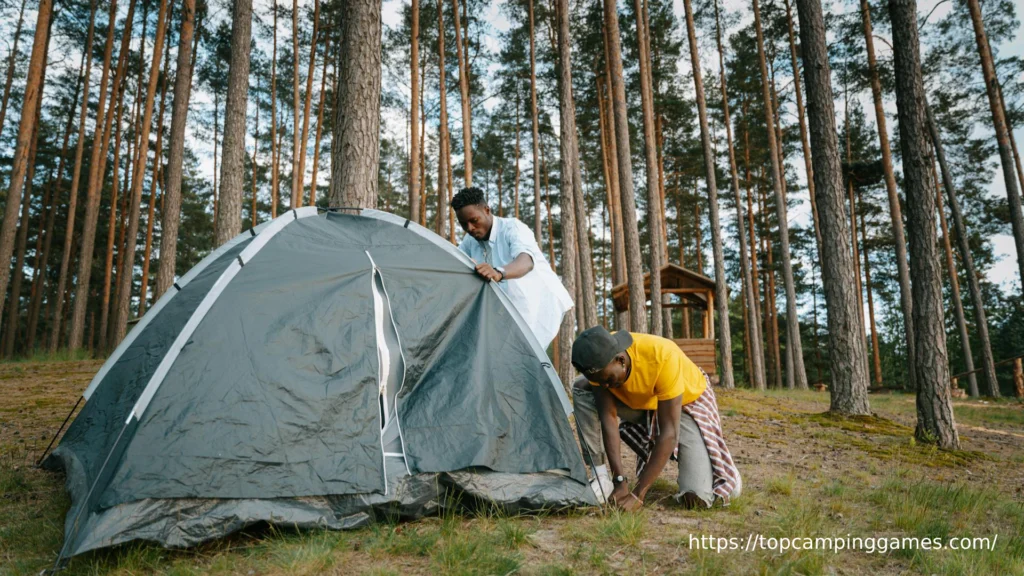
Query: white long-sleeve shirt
{"type": "Point", "coordinates": [539, 296]}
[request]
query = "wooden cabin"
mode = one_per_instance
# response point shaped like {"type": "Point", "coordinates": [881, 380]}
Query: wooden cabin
{"type": "Point", "coordinates": [689, 290]}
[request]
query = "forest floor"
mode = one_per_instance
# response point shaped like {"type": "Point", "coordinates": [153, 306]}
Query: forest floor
{"type": "Point", "coordinates": [806, 474]}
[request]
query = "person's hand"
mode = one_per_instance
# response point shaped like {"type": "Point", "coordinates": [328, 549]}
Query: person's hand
{"type": "Point", "coordinates": [489, 272]}
{"type": "Point", "coordinates": [620, 494]}
{"type": "Point", "coordinates": [630, 502]}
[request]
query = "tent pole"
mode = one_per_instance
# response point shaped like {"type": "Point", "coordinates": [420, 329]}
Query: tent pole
{"type": "Point", "coordinates": [59, 430]}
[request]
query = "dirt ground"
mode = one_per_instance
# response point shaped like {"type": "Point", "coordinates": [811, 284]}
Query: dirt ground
{"type": "Point", "coordinates": [806, 474]}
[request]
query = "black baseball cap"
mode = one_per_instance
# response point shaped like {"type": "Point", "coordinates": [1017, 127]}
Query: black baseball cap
{"type": "Point", "coordinates": [595, 347]}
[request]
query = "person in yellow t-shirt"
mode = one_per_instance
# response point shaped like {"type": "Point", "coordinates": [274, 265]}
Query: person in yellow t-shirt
{"type": "Point", "coordinates": [625, 377]}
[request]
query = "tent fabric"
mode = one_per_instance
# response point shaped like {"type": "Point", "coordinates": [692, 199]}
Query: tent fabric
{"type": "Point", "coordinates": [257, 393]}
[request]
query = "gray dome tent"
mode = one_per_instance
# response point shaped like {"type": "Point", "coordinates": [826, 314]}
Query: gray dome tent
{"type": "Point", "coordinates": [316, 371]}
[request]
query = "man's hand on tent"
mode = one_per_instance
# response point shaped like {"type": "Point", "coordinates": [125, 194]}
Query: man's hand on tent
{"type": "Point", "coordinates": [488, 272]}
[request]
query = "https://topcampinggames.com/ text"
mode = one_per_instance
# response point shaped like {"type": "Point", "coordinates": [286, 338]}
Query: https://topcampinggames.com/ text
{"type": "Point", "coordinates": [836, 544]}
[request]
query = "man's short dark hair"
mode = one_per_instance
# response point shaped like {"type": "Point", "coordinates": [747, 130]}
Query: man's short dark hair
{"type": "Point", "coordinates": [468, 197]}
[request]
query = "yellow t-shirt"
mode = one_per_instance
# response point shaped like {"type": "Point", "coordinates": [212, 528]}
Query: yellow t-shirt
{"type": "Point", "coordinates": [660, 372]}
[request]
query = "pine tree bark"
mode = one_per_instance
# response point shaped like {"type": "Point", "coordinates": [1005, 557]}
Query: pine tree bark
{"type": "Point", "coordinates": [171, 213]}
{"type": "Point", "coordinates": [721, 292]}
{"type": "Point", "coordinates": [875, 355]}
{"type": "Point", "coordinates": [536, 125]}
{"type": "Point", "coordinates": [94, 182]}
{"type": "Point", "coordinates": [355, 147]}
{"type": "Point", "coordinates": [320, 131]}
{"type": "Point", "coordinates": [275, 147]}
{"type": "Point", "coordinates": [954, 285]}
{"type": "Point", "coordinates": [515, 178]}
{"type": "Point", "coordinates": [304, 140]}
{"type": "Point", "coordinates": [14, 308]}
{"type": "Point", "coordinates": [124, 279]}
{"type": "Point", "coordinates": [11, 60]}
{"type": "Point", "coordinates": [574, 208]}
{"type": "Point", "coordinates": [467, 115]}
{"type": "Point", "coordinates": [296, 99]}
{"type": "Point", "coordinates": [793, 339]}
{"type": "Point", "coordinates": [35, 307]}
{"type": "Point", "coordinates": [654, 203]}
{"type": "Point", "coordinates": [935, 421]}
{"type": "Point", "coordinates": [442, 130]}
{"type": "Point", "coordinates": [111, 229]}
{"type": "Point", "coordinates": [847, 353]}
{"type": "Point", "coordinates": [232, 166]}
{"type": "Point", "coordinates": [1002, 131]}
{"type": "Point", "coordinates": [569, 155]}
{"type": "Point", "coordinates": [970, 272]}
{"type": "Point", "coordinates": [804, 144]}
{"type": "Point", "coordinates": [26, 127]}
{"type": "Point", "coordinates": [895, 212]}
{"type": "Point", "coordinates": [631, 236]}
{"type": "Point", "coordinates": [754, 344]}
{"type": "Point", "coordinates": [414, 114]}
{"type": "Point", "coordinates": [156, 184]}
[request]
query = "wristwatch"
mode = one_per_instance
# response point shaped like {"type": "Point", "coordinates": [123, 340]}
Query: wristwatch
{"type": "Point", "coordinates": [502, 272]}
{"type": "Point", "coordinates": [618, 479]}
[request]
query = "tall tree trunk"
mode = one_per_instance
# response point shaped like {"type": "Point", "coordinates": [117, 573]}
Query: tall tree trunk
{"type": "Point", "coordinates": [875, 356]}
{"type": "Point", "coordinates": [754, 344]}
{"type": "Point", "coordinates": [574, 206]}
{"type": "Point", "coordinates": [274, 147]}
{"type": "Point", "coordinates": [304, 140]}
{"type": "Point", "coordinates": [721, 291]}
{"type": "Point", "coordinates": [97, 166]}
{"type": "Point", "coordinates": [14, 310]}
{"type": "Point", "coordinates": [112, 227]}
{"type": "Point", "coordinates": [216, 171]}
{"type": "Point", "coordinates": [253, 216]}
{"type": "Point", "coordinates": [792, 319]}
{"type": "Point", "coordinates": [853, 215]}
{"type": "Point", "coordinates": [935, 421]}
{"type": "Point", "coordinates": [414, 114]}
{"type": "Point", "coordinates": [980, 316]}
{"type": "Point", "coordinates": [515, 178]}
{"type": "Point", "coordinates": [536, 125]}
{"type": "Point", "coordinates": [895, 212]}
{"type": "Point", "coordinates": [804, 143]}
{"type": "Point", "coordinates": [654, 204]}
{"type": "Point", "coordinates": [631, 236]}
{"type": "Point", "coordinates": [26, 127]}
{"type": "Point", "coordinates": [467, 116]}
{"type": "Point", "coordinates": [319, 132]}
{"type": "Point", "coordinates": [232, 175]}
{"type": "Point", "coordinates": [954, 286]}
{"type": "Point", "coordinates": [36, 306]}
{"type": "Point", "coordinates": [157, 177]}
{"type": "Point", "coordinates": [1002, 131]}
{"type": "Point", "coordinates": [124, 279]}
{"type": "Point", "coordinates": [11, 60]}
{"type": "Point", "coordinates": [171, 213]}
{"type": "Point", "coordinates": [355, 146]}
{"type": "Point", "coordinates": [847, 353]}
{"type": "Point", "coordinates": [614, 206]}
{"type": "Point", "coordinates": [442, 129]}
{"type": "Point", "coordinates": [296, 99]}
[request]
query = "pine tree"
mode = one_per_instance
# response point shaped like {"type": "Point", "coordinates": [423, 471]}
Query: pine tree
{"type": "Point", "coordinates": [934, 409]}
{"type": "Point", "coordinates": [847, 355]}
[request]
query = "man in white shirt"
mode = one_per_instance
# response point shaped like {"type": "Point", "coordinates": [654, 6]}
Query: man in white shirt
{"type": "Point", "coordinates": [505, 251]}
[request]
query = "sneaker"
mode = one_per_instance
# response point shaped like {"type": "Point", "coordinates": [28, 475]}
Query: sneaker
{"type": "Point", "coordinates": [603, 487]}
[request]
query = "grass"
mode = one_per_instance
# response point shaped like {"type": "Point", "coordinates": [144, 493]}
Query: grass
{"type": "Point", "coordinates": [806, 474]}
